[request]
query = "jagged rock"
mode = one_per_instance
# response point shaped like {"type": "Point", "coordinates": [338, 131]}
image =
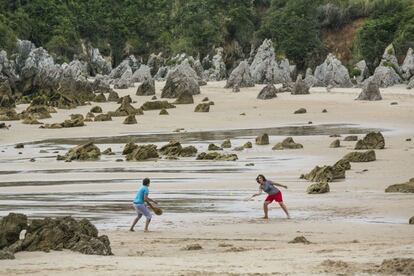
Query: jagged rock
{"type": "Point", "coordinates": [147, 88]}
{"type": "Point", "coordinates": [238, 148]}
{"type": "Point", "coordinates": [101, 84]}
{"type": "Point", "coordinates": [216, 156]}
{"type": "Point", "coordinates": [155, 62]}
{"type": "Point", "coordinates": [411, 221]}
{"type": "Point", "coordinates": [213, 147]}
{"type": "Point", "coordinates": [325, 174]}
{"type": "Point", "coordinates": [65, 233]}
{"type": "Point", "coordinates": [129, 148]}
{"type": "Point", "coordinates": [143, 152]}
{"type": "Point", "coordinates": [126, 109]}
{"type": "Point", "coordinates": [130, 120]}
{"type": "Point", "coordinates": [205, 99]}
{"type": "Point", "coordinates": [248, 145]}
{"type": "Point", "coordinates": [397, 266]}
{"type": "Point", "coordinates": [288, 143]}
{"type": "Point", "coordinates": [370, 92]}
{"type": "Point", "coordinates": [76, 117]}
{"type": "Point", "coordinates": [6, 255]}
{"type": "Point", "coordinates": [318, 188]}
{"type": "Point", "coordinates": [142, 74]}
{"type": "Point", "coordinates": [164, 112]}
{"type": "Point", "coordinates": [6, 97]}
{"type": "Point", "coordinates": [202, 107]}
{"type": "Point", "coordinates": [300, 87]}
{"type": "Point", "coordinates": [262, 139]}
{"type": "Point", "coordinates": [161, 73]}
{"type": "Point", "coordinates": [361, 70]}
{"type": "Point", "coordinates": [300, 239]}
{"type": "Point", "coordinates": [350, 138]}
{"type": "Point", "coordinates": [407, 187]}
{"type": "Point", "coordinates": [100, 98]}
{"type": "Point", "coordinates": [3, 125]}
{"type": "Point", "coordinates": [373, 140]}
{"type": "Point", "coordinates": [108, 151]}
{"type": "Point", "coordinates": [240, 76]}
{"type": "Point", "coordinates": [89, 117]}
{"type": "Point", "coordinates": [332, 73]}
{"type": "Point", "coordinates": [389, 58]}
{"type": "Point", "coordinates": [410, 84]}
{"type": "Point", "coordinates": [113, 97]}
{"type": "Point", "coordinates": [8, 115]}
{"type": "Point", "coordinates": [76, 69]}
{"type": "Point", "coordinates": [385, 75]}
{"type": "Point", "coordinates": [407, 68]}
{"type": "Point", "coordinates": [235, 88]}
{"type": "Point", "coordinates": [263, 63]}
{"type": "Point", "coordinates": [343, 164]}
{"type": "Point", "coordinates": [157, 105]}
{"type": "Point", "coordinates": [83, 152]}
{"type": "Point", "coordinates": [96, 109]}
{"type": "Point", "coordinates": [23, 49]}
{"type": "Point", "coordinates": [211, 103]}
{"type": "Point", "coordinates": [173, 148]}
{"type": "Point", "coordinates": [366, 156]}
{"type": "Point", "coordinates": [226, 144]}
{"type": "Point", "coordinates": [184, 98]}
{"type": "Point", "coordinates": [335, 143]}
{"type": "Point", "coordinates": [268, 92]}
{"type": "Point", "coordinates": [125, 81]}
{"type": "Point", "coordinates": [10, 228]}
{"type": "Point", "coordinates": [36, 111]}
{"type": "Point", "coordinates": [189, 151]}
{"type": "Point", "coordinates": [282, 72]}
{"type": "Point", "coordinates": [309, 78]}
{"type": "Point", "coordinates": [217, 71]}
{"type": "Point", "coordinates": [97, 64]}
{"type": "Point", "coordinates": [300, 111]}
{"type": "Point", "coordinates": [181, 80]}
{"type": "Point", "coordinates": [129, 64]}
{"type": "Point", "coordinates": [72, 93]}
{"type": "Point", "coordinates": [103, 118]}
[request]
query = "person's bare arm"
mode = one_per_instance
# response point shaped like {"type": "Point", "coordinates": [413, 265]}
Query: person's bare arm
{"type": "Point", "coordinates": [279, 185]}
{"type": "Point", "coordinates": [147, 199]}
{"type": "Point", "coordinates": [258, 193]}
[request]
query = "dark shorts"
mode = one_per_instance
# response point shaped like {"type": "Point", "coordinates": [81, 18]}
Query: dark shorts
{"type": "Point", "coordinates": [276, 197]}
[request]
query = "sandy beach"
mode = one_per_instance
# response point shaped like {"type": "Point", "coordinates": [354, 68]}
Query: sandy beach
{"type": "Point", "coordinates": [351, 230]}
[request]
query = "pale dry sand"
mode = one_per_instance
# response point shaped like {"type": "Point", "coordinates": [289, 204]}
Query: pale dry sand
{"type": "Point", "coordinates": [356, 222]}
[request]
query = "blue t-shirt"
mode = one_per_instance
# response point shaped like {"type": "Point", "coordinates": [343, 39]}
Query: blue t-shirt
{"type": "Point", "coordinates": [139, 198]}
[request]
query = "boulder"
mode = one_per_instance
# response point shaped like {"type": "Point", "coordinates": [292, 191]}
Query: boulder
{"type": "Point", "coordinates": [85, 152]}
{"type": "Point", "coordinates": [248, 145]}
{"type": "Point", "coordinates": [217, 71]}
{"type": "Point", "coordinates": [29, 120]}
{"type": "Point", "coordinates": [142, 74]}
{"type": "Point", "coordinates": [96, 109]}
{"type": "Point", "coordinates": [202, 107]}
{"type": "Point", "coordinates": [411, 220]}
{"type": "Point", "coordinates": [184, 98]}
{"type": "Point", "coordinates": [216, 156]}
{"type": "Point", "coordinates": [101, 84]}
{"type": "Point", "coordinates": [143, 152]}
{"type": "Point", "coordinates": [6, 98]}
{"type": "Point", "coordinates": [155, 62]}
{"type": "Point", "coordinates": [263, 64]}
{"type": "Point", "coordinates": [240, 76]}
{"type": "Point", "coordinates": [157, 105]}
{"type": "Point", "coordinates": [103, 118]}
{"type": "Point", "coordinates": [343, 164]}
{"type": "Point", "coordinates": [36, 111]}
{"type": "Point", "coordinates": [182, 79]}
{"type": "Point", "coordinates": [300, 87]}
{"type": "Point", "coordinates": [267, 92]}
{"type": "Point", "coordinates": [288, 143]}
{"type": "Point", "coordinates": [300, 239]}
{"type": "Point", "coordinates": [373, 140]}
{"type": "Point", "coordinates": [100, 98]}
{"type": "Point", "coordinates": [385, 75]}
{"type": "Point", "coordinates": [108, 151]}
{"type": "Point", "coordinates": [407, 187]}
{"type": "Point", "coordinates": [318, 188]}
{"type": "Point", "coordinates": [367, 156]}
{"type": "Point", "coordinates": [262, 139]}
{"type": "Point", "coordinates": [164, 112]}
{"type": "Point", "coordinates": [10, 228]}
{"type": "Point", "coordinates": [97, 64]}
{"type": "Point", "coordinates": [300, 111]}
{"type": "Point", "coordinates": [6, 255]}
{"type": "Point", "coordinates": [146, 88]}
{"type": "Point", "coordinates": [360, 71]}
{"type": "Point", "coordinates": [226, 144]}
{"type": "Point", "coordinates": [397, 266]}
{"type": "Point", "coordinates": [370, 92]}
{"type": "Point", "coordinates": [126, 109]}
{"type": "Point", "coordinates": [9, 114]}
{"type": "Point", "coordinates": [129, 64]}
{"type": "Point", "coordinates": [189, 151]}
{"type": "Point", "coordinates": [130, 120]}
{"type": "Point", "coordinates": [325, 174]}
{"type": "Point", "coordinates": [332, 73]}
{"type": "Point", "coordinates": [65, 233]}
{"type": "Point", "coordinates": [173, 148]}
{"type": "Point", "coordinates": [113, 97]}
{"type": "Point", "coordinates": [335, 143]}
{"type": "Point", "coordinates": [351, 138]}
{"type": "Point", "coordinates": [407, 68]}
{"type": "Point", "coordinates": [213, 147]}
{"type": "Point", "coordinates": [129, 148]}
{"type": "Point", "coordinates": [125, 81]}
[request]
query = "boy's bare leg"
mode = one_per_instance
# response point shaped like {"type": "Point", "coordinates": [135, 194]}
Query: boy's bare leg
{"type": "Point", "coordinates": [284, 209]}
{"type": "Point", "coordinates": [135, 222]}
{"type": "Point", "coordinates": [146, 225]}
{"type": "Point", "coordinates": [266, 209]}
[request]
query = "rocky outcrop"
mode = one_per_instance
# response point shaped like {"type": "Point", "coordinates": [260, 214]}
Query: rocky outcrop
{"type": "Point", "coordinates": [76, 69]}
{"type": "Point", "coordinates": [130, 120]}
{"type": "Point", "coordinates": [385, 76]}
{"type": "Point", "coordinates": [370, 92]}
{"type": "Point", "coordinates": [126, 109]}
{"type": "Point", "coordinates": [263, 63]}
{"type": "Point", "coordinates": [267, 92]}
{"type": "Point", "coordinates": [373, 140]}
{"type": "Point", "coordinates": [155, 62]}
{"type": "Point", "coordinates": [389, 58]}
{"type": "Point", "coordinates": [129, 64]}
{"type": "Point", "coordinates": [300, 87]}
{"type": "Point", "coordinates": [407, 187]}
{"type": "Point", "coordinates": [226, 144]}
{"type": "Point", "coordinates": [97, 64]}
{"type": "Point", "coordinates": [407, 68]}
{"type": "Point", "coordinates": [157, 105]}
{"type": "Point", "coordinates": [125, 81]}
{"type": "Point", "coordinates": [288, 143]}
{"type": "Point", "coordinates": [175, 149]}
{"type": "Point", "coordinates": [202, 107]}
{"type": "Point", "coordinates": [262, 139]}
{"type": "Point", "coordinates": [367, 156]}
{"type": "Point", "coordinates": [217, 71]}
{"type": "Point", "coordinates": [146, 88]}
{"type": "Point", "coordinates": [335, 143]}
{"type": "Point", "coordinates": [309, 78]}
{"type": "Point", "coordinates": [85, 152]}
{"type": "Point", "coordinates": [181, 80]}
{"type": "Point", "coordinates": [240, 76]}
{"type": "Point", "coordinates": [96, 109]}
{"type": "Point", "coordinates": [144, 152]}
{"type": "Point", "coordinates": [213, 147]}
{"type": "Point", "coordinates": [161, 74]}
{"type": "Point", "coordinates": [332, 73]}
{"type": "Point", "coordinates": [318, 188]}
{"type": "Point", "coordinates": [10, 228]}
{"type": "Point", "coordinates": [184, 98]}
{"type": "Point", "coordinates": [325, 174]}
{"type": "Point", "coordinates": [216, 156]}
{"type": "Point", "coordinates": [360, 71]}
{"type": "Point", "coordinates": [142, 74]}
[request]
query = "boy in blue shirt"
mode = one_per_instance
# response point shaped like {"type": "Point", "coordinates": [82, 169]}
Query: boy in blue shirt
{"type": "Point", "coordinates": [139, 204]}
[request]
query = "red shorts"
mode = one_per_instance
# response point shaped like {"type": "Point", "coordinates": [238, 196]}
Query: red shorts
{"type": "Point", "coordinates": [276, 197]}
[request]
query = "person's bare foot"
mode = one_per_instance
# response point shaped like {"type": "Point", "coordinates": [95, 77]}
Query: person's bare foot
{"type": "Point", "coordinates": [265, 217]}
{"type": "Point", "coordinates": [131, 230]}
{"type": "Point", "coordinates": [288, 217]}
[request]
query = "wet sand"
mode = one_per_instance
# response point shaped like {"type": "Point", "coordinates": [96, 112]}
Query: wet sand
{"type": "Point", "coordinates": [203, 201]}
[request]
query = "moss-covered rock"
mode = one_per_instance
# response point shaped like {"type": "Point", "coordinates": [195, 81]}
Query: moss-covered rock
{"type": "Point", "coordinates": [318, 188]}
{"type": "Point", "coordinates": [113, 96]}
{"type": "Point", "coordinates": [217, 156]}
{"type": "Point", "coordinates": [335, 143]}
{"type": "Point", "coordinates": [366, 156]}
{"type": "Point", "coordinates": [202, 107]}
{"type": "Point", "coordinates": [407, 187]}
{"type": "Point", "coordinates": [126, 109]}
{"type": "Point", "coordinates": [324, 174]}
{"type": "Point", "coordinates": [108, 151]}
{"type": "Point", "coordinates": [288, 143]}
{"type": "Point", "coordinates": [129, 148]}
{"type": "Point", "coordinates": [164, 112]}
{"type": "Point", "coordinates": [103, 118]}
{"type": "Point", "coordinates": [184, 98]}
{"type": "Point", "coordinates": [130, 120]}
{"type": "Point", "coordinates": [262, 139]}
{"type": "Point", "coordinates": [248, 145]}
{"type": "Point", "coordinates": [213, 147]}
{"type": "Point", "coordinates": [144, 152]}
{"type": "Point", "coordinates": [96, 109]}
{"type": "Point", "coordinates": [373, 140]}
{"type": "Point", "coordinates": [226, 144]}
{"type": "Point", "coordinates": [189, 151]}
{"type": "Point", "coordinates": [85, 152]}
{"type": "Point", "coordinates": [157, 105]}
{"type": "Point", "coordinates": [100, 98]}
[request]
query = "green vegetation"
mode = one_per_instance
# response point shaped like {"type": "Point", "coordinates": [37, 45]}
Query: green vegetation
{"type": "Point", "coordinates": [140, 27]}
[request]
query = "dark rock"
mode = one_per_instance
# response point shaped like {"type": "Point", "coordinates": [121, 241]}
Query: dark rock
{"type": "Point", "coordinates": [324, 111]}
{"type": "Point", "coordinates": [96, 109]}
{"type": "Point", "coordinates": [191, 247]}
{"type": "Point", "coordinates": [83, 152]}
{"type": "Point", "coordinates": [217, 156]}
{"type": "Point", "coordinates": [6, 255]}
{"type": "Point", "coordinates": [100, 98]}
{"type": "Point", "coordinates": [213, 147]}
{"type": "Point", "coordinates": [325, 174]}
{"type": "Point", "coordinates": [129, 148]}
{"type": "Point", "coordinates": [205, 99]}
{"type": "Point", "coordinates": [411, 221]}
{"type": "Point", "coordinates": [407, 187]}
{"type": "Point", "coordinates": [366, 156]}
{"type": "Point", "coordinates": [248, 145]}
{"type": "Point", "coordinates": [202, 107]}
{"type": "Point", "coordinates": [373, 140]}
{"type": "Point", "coordinates": [164, 112]}
{"type": "Point", "coordinates": [300, 111]}
{"type": "Point", "coordinates": [268, 92]}
{"type": "Point", "coordinates": [300, 239]}
{"type": "Point", "coordinates": [288, 143]}
{"type": "Point", "coordinates": [179, 82]}
{"type": "Point", "coordinates": [143, 152]}
{"type": "Point", "coordinates": [226, 144]}
{"type": "Point", "coordinates": [126, 109]}
{"type": "Point", "coordinates": [147, 88]}
{"type": "Point", "coordinates": [262, 139]}
{"type": "Point", "coordinates": [130, 120]}
{"type": "Point", "coordinates": [397, 266]}
{"type": "Point", "coordinates": [189, 151]}
{"type": "Point", "coordinates": [108, 151]}
{"type": "Point", "coordinates": [103, 118]}
{"type": "Point", "coordinates": [335, 144]}
{"type": "Point", "coordinates": [157, 105]}
{"type": "Point", "coordinates": [351, 138]}
{"type": "Point", "coordinates": [19, 146]}
{"type": "Point", "coordinates": [184, 98]}
{"type": "Point", "coordinates": [10, 228]}
{"type": "Point", "coordinates": [318, 188]}
{"type": "Point", "coordinates": [113, 96]}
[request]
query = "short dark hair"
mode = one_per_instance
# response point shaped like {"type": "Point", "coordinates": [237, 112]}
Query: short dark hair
{"type": "Point", "coordinates": [146, 181]}
{"type": "Point", "coordinates": [262, 176]}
